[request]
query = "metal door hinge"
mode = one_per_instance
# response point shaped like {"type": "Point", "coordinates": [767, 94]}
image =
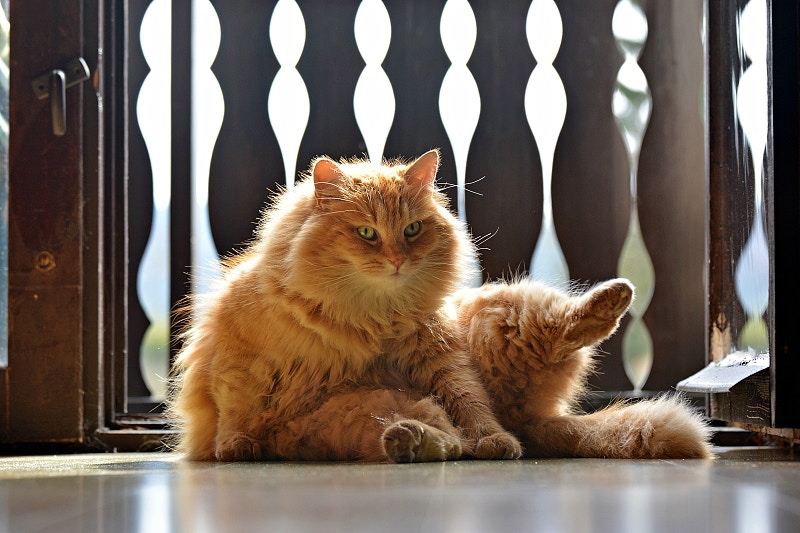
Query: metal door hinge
{"type": "Point", "coordinates": [54, 84]}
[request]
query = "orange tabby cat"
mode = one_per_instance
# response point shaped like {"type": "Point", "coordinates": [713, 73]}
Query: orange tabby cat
{"type": "Point", "coordinates": [341, 334]}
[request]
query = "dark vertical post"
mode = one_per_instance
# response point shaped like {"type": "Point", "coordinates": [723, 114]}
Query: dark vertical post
{"type": "Point", "coordinates": [95, 267]}
{"type": "Point", "coordinates": [115, 167]}
{"type": "Point", "coordinates": [783, 216]}
{"type": "Point", "coordinates": [180, 207]}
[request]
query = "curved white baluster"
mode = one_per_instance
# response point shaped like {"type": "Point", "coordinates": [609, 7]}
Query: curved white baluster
{"type": "Point", "coordinates": [632, 105]}
{"type": "Point", "coordinates": [373, 99]}
{"type": "Point", "coordinates": [153, 113]}
{"type": "Point", "coordinates": [288, 103]}
{"type": "Point", "coordinates": [459, 99]}
{"type": "Point", "coordinates": [208, 108]}
{"type": "Point", "coordinates": [752, 269]}
{"type": "Point", "coordinates": [546, 108]}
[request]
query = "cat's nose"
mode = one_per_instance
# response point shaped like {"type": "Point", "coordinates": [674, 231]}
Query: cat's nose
{"type": "Point", "coordinates": [397, 260]}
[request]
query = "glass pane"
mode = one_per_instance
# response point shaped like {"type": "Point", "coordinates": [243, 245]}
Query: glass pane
{"type": "Point", "coordinates": [752, 266]}
{"type": "Point", "coordinates": [739, 125]}
{"type": "Point", "coordinates": [4, 63]}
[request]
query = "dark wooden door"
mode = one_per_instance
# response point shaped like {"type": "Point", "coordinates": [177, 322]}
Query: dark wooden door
{"type": "Point", "coordinates": [50, 388]}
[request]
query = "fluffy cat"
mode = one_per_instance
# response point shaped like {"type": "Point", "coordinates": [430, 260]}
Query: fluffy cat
{"type": "Point", "coordinates": [342, 333]}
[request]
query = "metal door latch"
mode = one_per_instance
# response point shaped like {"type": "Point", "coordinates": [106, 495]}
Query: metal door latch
{"type": "Point", "coordinates": [54, 84]}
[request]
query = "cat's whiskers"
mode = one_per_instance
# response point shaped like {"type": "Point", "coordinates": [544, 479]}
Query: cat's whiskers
{"type": "Point", "coordinates": [447, 186]}
{"type": "Point", "coordinates": [316, 266]}
{"type": "Point", "coordinates": [479, 240]}
{"type": "Point", "coordinates": [331, 281]}
{"type": "Point", "coordinates": [442, 275]}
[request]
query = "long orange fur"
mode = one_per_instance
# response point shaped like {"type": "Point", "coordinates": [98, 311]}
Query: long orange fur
{"type": "Point", "coordinates": [343, 333]}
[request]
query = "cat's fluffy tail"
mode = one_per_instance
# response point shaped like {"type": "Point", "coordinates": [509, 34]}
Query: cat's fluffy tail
{"type": "Point", "coordinates": [665, 427]}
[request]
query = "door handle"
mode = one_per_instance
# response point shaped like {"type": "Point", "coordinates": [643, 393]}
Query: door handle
{"type": "Point", "coordinates": [54, 84]}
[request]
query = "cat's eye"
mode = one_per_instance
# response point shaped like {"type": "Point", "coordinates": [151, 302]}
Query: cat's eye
{"type": "Point", "coordinates": [412, 229]}
{"type": "Point", "coordinates": [367, 233]}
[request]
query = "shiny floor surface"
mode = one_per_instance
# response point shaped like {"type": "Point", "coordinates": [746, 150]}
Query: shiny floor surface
{"type": "Point", "coordinates": [744, 490]}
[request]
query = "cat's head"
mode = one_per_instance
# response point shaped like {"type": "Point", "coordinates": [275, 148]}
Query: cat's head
{"type": "Point", "coordinates": [382, 230]}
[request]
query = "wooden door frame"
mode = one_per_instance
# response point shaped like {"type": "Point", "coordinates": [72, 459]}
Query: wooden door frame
{"type": "Point", "coordinates": [65, 386]}
{"type": "Point", "coordinates": [52, 389]}
{"type": "Point", "coordinates": [768, 400]}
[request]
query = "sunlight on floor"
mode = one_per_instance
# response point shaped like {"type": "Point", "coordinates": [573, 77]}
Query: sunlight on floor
{"type": "Point", "coordinates": [744, 489]}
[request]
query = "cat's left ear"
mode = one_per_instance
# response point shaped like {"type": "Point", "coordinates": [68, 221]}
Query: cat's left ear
{"type": "Point", "coordinates": [422, 172]}
{"type": "Point", "coordinates": [328, 178]}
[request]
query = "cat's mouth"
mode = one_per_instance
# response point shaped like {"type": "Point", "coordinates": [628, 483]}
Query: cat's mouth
{"type": "Point", "coordinates": [395, 276]}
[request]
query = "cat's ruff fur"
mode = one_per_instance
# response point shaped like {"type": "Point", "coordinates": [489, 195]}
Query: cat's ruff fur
{"type": "Point", "coordinates": [341, 333]}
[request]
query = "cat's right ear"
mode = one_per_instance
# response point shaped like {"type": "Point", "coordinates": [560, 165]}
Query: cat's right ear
{"type": "Point", "coordinates": [328, 178]}
{"type": "Point", "coordinates": [422, 172]}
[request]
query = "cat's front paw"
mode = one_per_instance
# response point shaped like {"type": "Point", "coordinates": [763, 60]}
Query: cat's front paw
{"type": "Point", "coordinates": [240, 447]}
{"type": "Point", "coordinates": [409, 441]}
{"type": "Point", "coordinates": [500, 445]}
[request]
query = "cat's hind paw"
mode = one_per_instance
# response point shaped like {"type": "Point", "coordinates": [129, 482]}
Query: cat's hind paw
{"type": "Point", "coordinates": [409, 441]}
{"type": "Point", "coordinates": [498, 446]}
{"type": "Point", "coordinates": [599, 311]}
{"type": "Point", "coordinates": [610, 300]}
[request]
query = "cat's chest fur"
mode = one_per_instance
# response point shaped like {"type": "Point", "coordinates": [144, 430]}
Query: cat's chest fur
{"type": "Point", "coordinates": [283, 329]}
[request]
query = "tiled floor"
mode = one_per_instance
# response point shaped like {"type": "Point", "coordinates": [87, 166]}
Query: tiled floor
{"type": "Point", "coordinates": [744, 490]}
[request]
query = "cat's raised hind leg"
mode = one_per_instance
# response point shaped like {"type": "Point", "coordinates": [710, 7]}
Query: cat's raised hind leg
{"type": "Point", "coordinates": [534, 344]}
